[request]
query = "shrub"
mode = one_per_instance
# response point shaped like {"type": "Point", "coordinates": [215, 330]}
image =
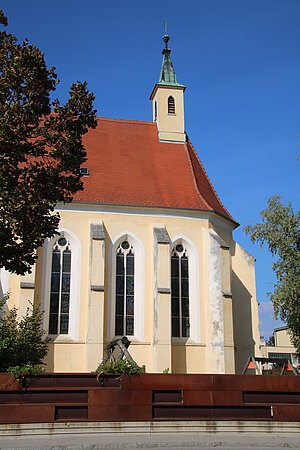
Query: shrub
{"type": "Point", "coordinates": [119, 367]}
{"type": "Point", "coordinates": [22, 347]}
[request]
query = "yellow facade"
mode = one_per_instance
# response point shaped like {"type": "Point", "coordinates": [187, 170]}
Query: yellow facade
{"type": "Point", "coordinates": [170, 126]}
{"type": "Point", "coordinates": [219, 278]}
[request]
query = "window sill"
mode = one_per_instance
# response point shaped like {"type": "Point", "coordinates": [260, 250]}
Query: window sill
{"type": "Point", "coordinates": [132, 339]}
{"type": "Point", "coordinates": [187, 342]}
{"type": "Point", "coordinates": [136, 342]}
{"type": "Point", "coordinates": [61, 339]}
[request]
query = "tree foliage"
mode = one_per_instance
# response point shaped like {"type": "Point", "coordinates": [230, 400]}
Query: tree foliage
{"type": "Point", "coordinates": [280, 230]}
{"type": "Point", "coordinates": [41, 149]}
{"type": "Point", "coordinates": [271, 340]}
{"type": "Point", "coordinates": [22, 343]}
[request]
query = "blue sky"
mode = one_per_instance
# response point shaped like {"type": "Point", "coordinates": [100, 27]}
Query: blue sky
{"type": "Point", "coordinates": [240, 62]}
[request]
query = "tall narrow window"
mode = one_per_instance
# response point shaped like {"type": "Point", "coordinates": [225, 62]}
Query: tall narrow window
{"type": "Point", "coordinates": [180, 292]}
{"type": "Point", "coordinates": [171, 105]}
{"type": "Point", "coordinates": [60, 287]}
{"type": "Point", "coordinates": [155, 110]}
{"type": "Point", "coordinates": [124, 315]}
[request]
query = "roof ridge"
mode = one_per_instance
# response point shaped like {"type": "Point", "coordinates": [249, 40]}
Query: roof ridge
{"type": "Point", "coordinates": [210, 183]}
{"type": "Point", "coordinates": [193, 176]}
{"type": "Point", "coordinates": [116, 119]}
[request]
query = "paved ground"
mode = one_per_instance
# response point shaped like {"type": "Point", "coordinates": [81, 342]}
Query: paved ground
{"type": "Point", "coordinates": [232, 441]}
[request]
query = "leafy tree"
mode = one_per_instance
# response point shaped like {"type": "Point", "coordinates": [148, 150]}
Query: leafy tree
{"type": "Point", "coordinates": [280, 230]}
{"type": "Point", "coordinates": [22, 347]}
{"type": "Point", "coordinates": [41, 149]}
{"type": "Point", "coordinates": [271, 340]}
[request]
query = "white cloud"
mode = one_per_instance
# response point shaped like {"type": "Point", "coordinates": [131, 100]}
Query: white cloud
{"type": "Point", "coordinates": [267, 322]}
{"type": "Point", "coordinates": [266, 319]}
{"type": "Point", "coordinates": [266, 308]}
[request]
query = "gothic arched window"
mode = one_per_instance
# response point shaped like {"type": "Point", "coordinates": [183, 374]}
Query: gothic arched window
{"type": "Point", "coordinates": [60, 287]}
{"type": "Point", "coordinates": [180, 292]}
{"type": "Point", "coordinates": [124, 311]}
{"type": "Point", "coordinates": [171, 105]}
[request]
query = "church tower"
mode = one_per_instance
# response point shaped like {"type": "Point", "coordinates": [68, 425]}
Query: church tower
{"type": "Point", "coordinates": [167, 100]}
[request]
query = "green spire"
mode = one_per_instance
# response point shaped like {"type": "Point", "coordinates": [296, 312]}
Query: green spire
{"type": "Point", "coordinates": [167, 74]}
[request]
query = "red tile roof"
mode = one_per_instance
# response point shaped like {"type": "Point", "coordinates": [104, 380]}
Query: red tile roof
{"type": "Point", "coordinates": [129, 166]}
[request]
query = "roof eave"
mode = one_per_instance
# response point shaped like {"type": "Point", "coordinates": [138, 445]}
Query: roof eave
{"type": "Point", "coordinates": [166, 86]}
{"type": "Point", "coordinates": [129, 205]}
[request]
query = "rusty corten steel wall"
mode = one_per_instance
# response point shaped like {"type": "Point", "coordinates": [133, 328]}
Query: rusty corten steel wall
{"type": "Point", "coordinates": [80, 397]}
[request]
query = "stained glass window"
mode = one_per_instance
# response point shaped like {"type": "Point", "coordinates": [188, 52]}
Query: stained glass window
{"type": "Point", "coordinates": [60, 287]}
{"type": "Point", "coordinates": [180, 292]}
{"type": "Point", "coordinates": [124, 312]}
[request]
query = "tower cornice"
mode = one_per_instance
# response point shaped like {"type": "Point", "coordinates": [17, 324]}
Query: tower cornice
{"type": "Point", "coordinates": [166, 86]}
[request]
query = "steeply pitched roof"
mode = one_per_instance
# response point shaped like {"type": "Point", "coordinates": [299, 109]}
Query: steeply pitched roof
{"type": "Point", "coordinates": [167, 74]}
{"type": "Point", "coordinates": [129, 166]}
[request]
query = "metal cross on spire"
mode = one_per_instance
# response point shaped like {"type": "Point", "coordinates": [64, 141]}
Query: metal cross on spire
{"type": "Point", "coordinates": [166, 37]}
{"type": "Point", "coordinates": [167, 74]}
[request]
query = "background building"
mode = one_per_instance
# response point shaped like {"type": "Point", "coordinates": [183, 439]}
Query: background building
{"type": "Point", "coordinates": [282, 348]}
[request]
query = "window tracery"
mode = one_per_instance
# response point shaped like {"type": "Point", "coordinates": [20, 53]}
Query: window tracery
{"type": "Point", "coordinates": [124, 311]}
{"type": "Point", "coordinates": [180, 292]}
{"type": "Point", "coordinates": [60, 287]}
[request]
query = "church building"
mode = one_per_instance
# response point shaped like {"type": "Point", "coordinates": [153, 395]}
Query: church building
{"type": "Point", "coordinates": [145, 251]}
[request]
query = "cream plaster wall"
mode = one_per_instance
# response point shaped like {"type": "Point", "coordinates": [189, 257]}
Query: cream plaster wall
{"type": "Point", "coordinates": [4, 282]}
{"type": "Point", "coordinates": [14, 291]}
{"type": "Point", "coordinates": [66, 357]}
{"type": "Point", "coordinates": [282, 339]}
{"type": "Point", "coordinates": [213, 331]}
{"type": "Point", "coordinates": [170, 126]}
{"type": "Point", "coordinates": [189, 358]}
{"type": "Point", "coordinates": [245, 307]}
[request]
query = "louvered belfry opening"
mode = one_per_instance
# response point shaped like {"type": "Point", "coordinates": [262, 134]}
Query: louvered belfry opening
{"type": "Point", "coordinates": [171, 105]}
